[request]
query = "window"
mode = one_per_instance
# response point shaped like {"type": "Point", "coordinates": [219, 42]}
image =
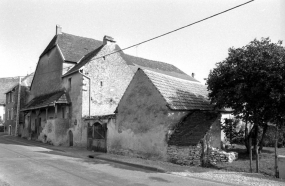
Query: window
{"type": "Point", "coordinates": [8, 114]}
{"type": "Point", "coordinates": [69, 83]}
{"type": "Point", "coordinates": [101, 83]}
{"type": "Point", "coordinates": [11, 115]}
{"type": "Point", "coordinates": [12, 97]}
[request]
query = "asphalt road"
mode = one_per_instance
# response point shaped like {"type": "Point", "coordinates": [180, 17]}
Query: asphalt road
{"type": "Point", "coordinates": [31, 165]}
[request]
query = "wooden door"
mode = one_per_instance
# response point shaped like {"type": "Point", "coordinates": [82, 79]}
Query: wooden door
{"type": "Point", "coordinates": [99, 138]}
{"type": "Point", "coordinates": [70, 134]}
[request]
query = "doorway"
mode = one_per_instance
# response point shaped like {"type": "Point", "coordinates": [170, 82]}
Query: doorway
{"type": "Point", "coordinates": [70, 134]}
{"type": "Point", "coordinates": [10, 130]}
{"type": "Point", "coordinates": [97, 137]}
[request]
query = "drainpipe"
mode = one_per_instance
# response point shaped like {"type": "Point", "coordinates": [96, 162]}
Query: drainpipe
{"type": "Point", "coordinates": [18, 108]}
{"type": "Point", "coordinates": [89, 90]}
{"type": "Point", "coordinates": [89, 102]}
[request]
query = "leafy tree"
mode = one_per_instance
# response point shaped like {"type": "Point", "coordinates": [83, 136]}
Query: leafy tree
{"type": "Point", "coordinates": [230, 128]}
{"type": "Point", "coordinates": [251, 81]}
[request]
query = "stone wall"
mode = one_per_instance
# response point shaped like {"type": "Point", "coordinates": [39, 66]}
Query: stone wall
{"type": "Point", "coordinates": [190, 155]}
{"type": "Point", "coordinates": [193, 155]}
{"type": "Point", "coordinates": [110, 77]}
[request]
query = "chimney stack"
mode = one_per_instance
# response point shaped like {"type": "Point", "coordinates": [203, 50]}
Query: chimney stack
{"type": "Point", "coordinates": [108, 40]}
{"type": "Point", "coordinates": [193, 75]}
{"type": "Point", "coordinates": [58, 29]}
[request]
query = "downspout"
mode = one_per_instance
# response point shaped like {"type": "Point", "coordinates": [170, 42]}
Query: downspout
{"type": "Point", "coordinates": [18, 108]}
{"type": "Point", "coordinates": [89, 103]}
{"type": "Point", "coordinates": [89, 90]}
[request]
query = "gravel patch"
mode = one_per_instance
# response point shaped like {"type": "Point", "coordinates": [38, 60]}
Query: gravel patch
{"type": "Point", "coordinates": [235, 178]}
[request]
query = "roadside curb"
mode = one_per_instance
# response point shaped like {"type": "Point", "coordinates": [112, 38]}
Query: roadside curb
{"type": "Point", "coordinates": [155, 169]}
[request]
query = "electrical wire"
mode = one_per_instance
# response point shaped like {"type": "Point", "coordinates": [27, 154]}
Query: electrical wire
{"type": "Point", "coordinates": [209, 17]}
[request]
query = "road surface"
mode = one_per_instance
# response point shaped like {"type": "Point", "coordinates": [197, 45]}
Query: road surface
{"type": "Point", "coordinates": [23, 164]}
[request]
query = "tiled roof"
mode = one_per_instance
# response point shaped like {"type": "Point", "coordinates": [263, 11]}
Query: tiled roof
{"type": "Point", "coordinates": [157, 66]}
{"type": "Point", "coordinates": [180, 94]}
{"type": "Point", "coordinates": [83, 61]}
{"type": "Point", "coordinates": [73, 47]}
{"type": "Point", "coordinates": [47, 100]}
{"type": "Point", "coordinates": [136, 62]}
{"type": "Point", "coordinates": [192, 128]}
{"type": "Point", "coordinates": [5, 85]}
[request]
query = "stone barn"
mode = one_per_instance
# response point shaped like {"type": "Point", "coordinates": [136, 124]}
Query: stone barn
{"type": "Point", "coordinates": [165, 117]}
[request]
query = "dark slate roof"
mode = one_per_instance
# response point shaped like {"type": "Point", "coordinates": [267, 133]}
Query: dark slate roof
{"type": "Point", "coordinates": [84, 60]}
{"type": "Point", "coordinates": [5, 85]}
{"type": "Point", "coordinates": [192, 129]}
{"type": "Point", "coordinates": [25, 81]}
{"type": "Point", "coordinates": [180, 94]}
{"type": "Point", "coordinates": [73, 47]}
{"type": "Point", "coordinates": [135, 63]}
{"type": "Point", "coordinates": [157, 66]}
{"type": "Point", "coordinates": [47, 100]}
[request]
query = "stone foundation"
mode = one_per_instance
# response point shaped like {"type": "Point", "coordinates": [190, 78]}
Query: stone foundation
{"type": "Point", "coordinates": [190, 155]}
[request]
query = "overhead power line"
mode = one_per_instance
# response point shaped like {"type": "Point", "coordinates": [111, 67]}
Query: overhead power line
{"type": "Point", "coordinates": [201, 20]}
{"type": "Point", "coordinates": [179, 28]}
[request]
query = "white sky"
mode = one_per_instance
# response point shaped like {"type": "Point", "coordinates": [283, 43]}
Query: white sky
{"type": "Point", "coordinates": [27, 26]}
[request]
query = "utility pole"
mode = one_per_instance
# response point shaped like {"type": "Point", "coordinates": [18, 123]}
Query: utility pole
{"type": "Point", "coordinates": [18, 108]}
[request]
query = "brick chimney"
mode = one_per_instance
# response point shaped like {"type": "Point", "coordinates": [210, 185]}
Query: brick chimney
{"type": "Point", "coordinates": [108, 40]}
{"type": "Point", "coordinates": [58, 29]}
{"type": "Point", "coordinates": [193, 75]}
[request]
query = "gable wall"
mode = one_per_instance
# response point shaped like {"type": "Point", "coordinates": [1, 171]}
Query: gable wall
{"type": "Point", "coordinates": [48, 74]}
{"type": "Point", "coordinates": [109, 80]}
{"type": "Point", "coordinates": [143, 121]}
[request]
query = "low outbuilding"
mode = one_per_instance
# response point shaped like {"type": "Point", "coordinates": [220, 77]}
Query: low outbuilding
{"type": "Point", "coordinates": [165, 117]}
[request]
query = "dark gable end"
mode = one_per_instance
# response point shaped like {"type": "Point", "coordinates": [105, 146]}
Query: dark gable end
{"type": "Point", "coordinates": [193, 128]}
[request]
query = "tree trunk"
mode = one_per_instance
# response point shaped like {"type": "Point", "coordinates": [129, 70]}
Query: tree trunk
{"type": "Point", "coordinates": [250, 156]}
{"type": "Point", "coordinates": [256, 148]}
{"type": "Point", "coordinates": [275, 147]}
{"type": "Point", "coordinates": [246, 137]}
{"type": "Point", "coordinates": [262, 138]}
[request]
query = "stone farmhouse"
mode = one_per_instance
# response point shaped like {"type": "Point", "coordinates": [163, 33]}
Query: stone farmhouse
{"type": "Point", "coordinates": [79, 83]}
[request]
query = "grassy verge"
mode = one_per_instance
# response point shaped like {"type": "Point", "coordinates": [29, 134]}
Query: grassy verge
{"type": "Point", "coordinates": [266, 164]}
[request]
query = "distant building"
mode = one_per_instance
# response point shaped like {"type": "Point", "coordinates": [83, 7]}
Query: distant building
{"type": "Point", "coordinates": [12, 103]}
{"type": "Point", "coordinates": [5, 84]}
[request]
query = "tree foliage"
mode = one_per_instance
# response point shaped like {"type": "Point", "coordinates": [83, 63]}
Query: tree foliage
{"type": "Point", "coordinates": [251, 81]}
{"type": "Point", "coordinates": [233, 132]}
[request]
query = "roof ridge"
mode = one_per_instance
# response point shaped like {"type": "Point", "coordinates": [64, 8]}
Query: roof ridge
{"type": "Point", "coordinates": [153, 61]}
{"type": "Point", "coordinates": [80, 36]}
{"type": "Point", "coordinates": [195, 82]}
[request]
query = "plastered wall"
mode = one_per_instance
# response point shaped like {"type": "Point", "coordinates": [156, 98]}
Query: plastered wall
{"type": "Point", "coordinates": [75, 91]}
{"type": "Point", "coordinates": [143, 121]}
